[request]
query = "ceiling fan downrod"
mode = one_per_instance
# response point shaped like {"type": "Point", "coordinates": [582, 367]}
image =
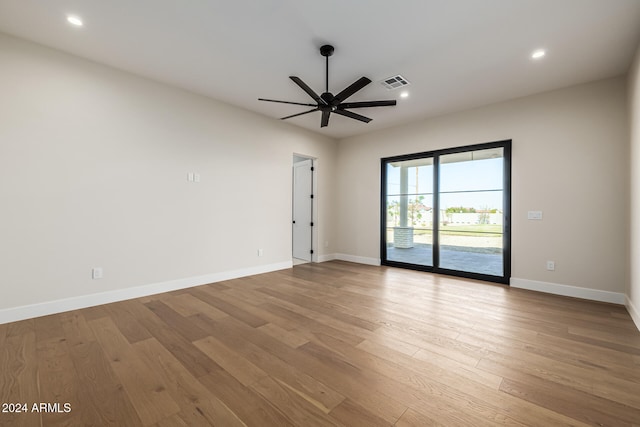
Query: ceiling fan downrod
{"type": "Point", "coordinates": [326, 51]}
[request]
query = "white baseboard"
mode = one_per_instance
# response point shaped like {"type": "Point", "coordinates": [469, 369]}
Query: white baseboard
{"type": "Point", "coordinates": [569, 291]}
{"type": "Point", "coordinates": [58, 306]}
{"type": "Point", "coordinates": [358, 259]}
{"type": "Point", "coordinates": [633, 311]}
{"type": "Point", "coordinates": [326, 257]}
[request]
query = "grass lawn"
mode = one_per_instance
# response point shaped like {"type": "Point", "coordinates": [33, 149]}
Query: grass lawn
{"type": "Point", "coordinates": [487, 230]}
{"type": "Point", "coordinates": [470, 229]}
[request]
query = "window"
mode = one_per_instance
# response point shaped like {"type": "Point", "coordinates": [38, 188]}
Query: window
{"type": "Point", "coordinates": [448, 211]}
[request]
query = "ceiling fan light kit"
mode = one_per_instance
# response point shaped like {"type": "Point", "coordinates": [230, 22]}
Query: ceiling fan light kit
{"type": "Point", "coordinates": [328, 103]}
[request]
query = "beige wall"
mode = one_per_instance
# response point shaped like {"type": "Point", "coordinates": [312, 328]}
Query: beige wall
{"type": "Point", "coordinates": [569, 160]}
{"type": "Point", "coordinates": [633, 291]}
{"type": "Point", "coordinates": [93, 173]}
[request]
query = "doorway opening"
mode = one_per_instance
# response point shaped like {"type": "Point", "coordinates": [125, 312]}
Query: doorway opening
{"type": "Point", "coordinates": [304, 236]}
{"type": "Point", "coordinates": [449, 211]}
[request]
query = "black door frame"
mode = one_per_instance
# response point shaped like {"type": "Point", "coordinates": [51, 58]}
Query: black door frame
{"type": "Point", "coordinates": [506, 237]}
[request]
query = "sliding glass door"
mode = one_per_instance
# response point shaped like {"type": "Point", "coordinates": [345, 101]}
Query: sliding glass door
{"type": "Point", "coordinates": [448, 211]}
{"type": "Point", "coordinates": [409, 211]}
{"type": "Point", "coordinates": [471, 203]}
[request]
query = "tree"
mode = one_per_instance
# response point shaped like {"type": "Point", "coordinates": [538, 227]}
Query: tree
{"type": "Point", "coordinates": [393, 212]}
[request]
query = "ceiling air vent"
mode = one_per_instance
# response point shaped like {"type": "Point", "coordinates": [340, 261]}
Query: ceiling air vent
{"type": "Point", "coordinates": [394, 82]}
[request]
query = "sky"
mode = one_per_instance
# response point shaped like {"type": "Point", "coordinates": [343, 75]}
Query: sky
{"type": "Point", "coordinates": [482, 177]}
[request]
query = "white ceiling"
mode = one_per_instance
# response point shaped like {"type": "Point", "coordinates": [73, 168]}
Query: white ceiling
{"type": "Point", "coordinates": [457, 54]}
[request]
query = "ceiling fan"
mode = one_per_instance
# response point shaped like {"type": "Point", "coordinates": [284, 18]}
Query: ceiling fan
{"type": "Point", "coordinates": [329, 103]}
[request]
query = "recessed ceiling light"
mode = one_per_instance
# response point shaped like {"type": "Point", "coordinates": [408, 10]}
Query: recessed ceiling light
{"type": "Point", "coordinates": [75, 20]}
{"type": "Point", "coordinates": [404, 95]}
{"type": "Point", "coordinates": [537, 54]}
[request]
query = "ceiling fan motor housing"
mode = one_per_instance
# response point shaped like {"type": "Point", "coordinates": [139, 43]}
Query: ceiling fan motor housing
{"type": "Point", "coordinates": [327, 96]}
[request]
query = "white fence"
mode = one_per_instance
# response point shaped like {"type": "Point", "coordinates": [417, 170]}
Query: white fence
{"type": "Point", "coordinates": [472, 218]}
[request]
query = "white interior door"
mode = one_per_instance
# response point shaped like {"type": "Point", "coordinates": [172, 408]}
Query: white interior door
{"type": "Point", "coordinates": [302, 209]}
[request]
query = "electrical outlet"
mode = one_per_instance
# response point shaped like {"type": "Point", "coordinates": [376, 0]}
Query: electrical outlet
{"type": "Point", "coordinates": [96, 273]}
{"type": "Point", "coordinates": [551, 265]}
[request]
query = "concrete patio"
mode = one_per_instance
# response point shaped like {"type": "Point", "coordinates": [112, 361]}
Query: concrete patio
{"type": "Point", "coordinates": [451, 257]}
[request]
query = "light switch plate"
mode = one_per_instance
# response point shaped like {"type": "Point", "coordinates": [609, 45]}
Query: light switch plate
{"type": "Point", "coordinates": [536, 215]}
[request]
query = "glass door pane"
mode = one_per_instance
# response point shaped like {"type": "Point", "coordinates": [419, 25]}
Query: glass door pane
{"type": "Point", "coordinates": [471, 211]}
{"type": "Point", "coordinates": [409, 211]}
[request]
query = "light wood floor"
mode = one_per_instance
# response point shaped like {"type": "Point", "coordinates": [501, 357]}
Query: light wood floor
{"type": "Point", "coordinates": [324, 345]}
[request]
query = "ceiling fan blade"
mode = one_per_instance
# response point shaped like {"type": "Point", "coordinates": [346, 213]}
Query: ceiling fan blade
{"type": "Point", "coordinates": [307, 89]}
{"type": "Point", "coordinates": [325, 118]}
{"type": "Point", "coordinates": [299, 114]}
{"type": "Point", "coordinates": [365, 104]}
{"type": "Point", "coordinates": [286, 102]}
{"type": "Point", "coordinates": [353, 115]}
{"type": "Point", "coordinates": [356, 86]}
